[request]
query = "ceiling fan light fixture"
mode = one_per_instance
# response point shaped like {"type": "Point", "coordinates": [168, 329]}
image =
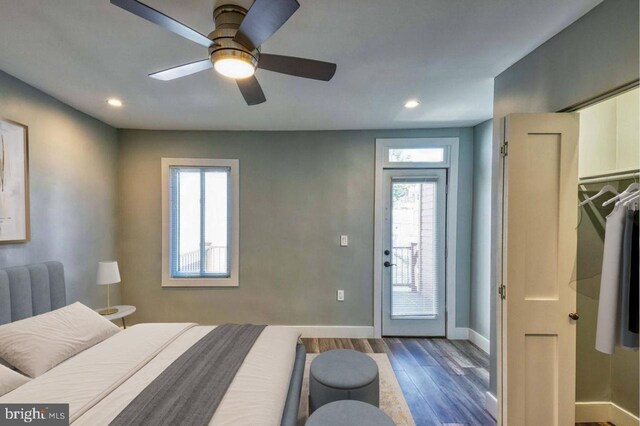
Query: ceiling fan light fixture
{"type": "Point", "coordinates": [233, 63]}
{"type": "Point", "coordinates": [234, 45]}
{"type": "Point", "coordinates": [234, 68]}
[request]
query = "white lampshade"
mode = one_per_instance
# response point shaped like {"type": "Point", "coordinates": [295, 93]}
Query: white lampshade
{"type": "Point", "coordinates": [108, 273]}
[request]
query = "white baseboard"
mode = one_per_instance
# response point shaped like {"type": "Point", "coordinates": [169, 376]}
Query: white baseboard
{"type": "Point", "coordinates": [592, 412]}
{"type": "Point", "coordinates": [458, 333]}
{"type": "Point", "coordinates": [604, 411]}
{"type": "Point", "coordinates": [366, 332]}
{"type": "Point", "coordinates": [355, 332]}
{"type": "Point", "coordinates": [622, 417]}
{"type": "Point", "coordinates": [335, 331]}
{"type": "Point", "coordinates": [479, 340]}
{"type": "Point", "coordinates": [491, 404]}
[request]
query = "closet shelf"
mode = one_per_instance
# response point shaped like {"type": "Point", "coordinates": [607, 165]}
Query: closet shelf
{"type": "Point", "coordinates": [609, 177]}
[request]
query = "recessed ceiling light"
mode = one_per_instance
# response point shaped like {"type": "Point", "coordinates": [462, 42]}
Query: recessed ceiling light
{"type": "Point", "coordinates": [411, 103]}
{"type": "Point", "coordinates": [114, 102]}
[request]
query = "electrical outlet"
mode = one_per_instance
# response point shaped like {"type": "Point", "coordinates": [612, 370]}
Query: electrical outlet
{"type": "Point", "coordinates": [344, 240]}
{"type": "Point", "coordinates": [340, 295]}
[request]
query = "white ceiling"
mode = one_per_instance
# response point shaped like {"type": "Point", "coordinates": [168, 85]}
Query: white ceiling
{"type": "Point", "coordinates": [443, 52]}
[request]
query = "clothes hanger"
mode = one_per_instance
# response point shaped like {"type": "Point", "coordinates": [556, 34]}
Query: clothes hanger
{"type": "Point", "coordinates": [632, 203]}
{"type": "Point", "coordinates": [604, 190]}
{"type": "Point", "coordinates": [631, 188]}
{"type": "Point", "coordinates": [632, 198]}
{"type": "Point", "coordinates": [624, 196]}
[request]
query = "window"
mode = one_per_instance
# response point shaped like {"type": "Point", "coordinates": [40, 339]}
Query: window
{"type": "Point", "coordinates": [415, 152]}
{"type": "Point", "coordinates": [416, 155]}
{"type": "Point", "coordinates": [200, 217]}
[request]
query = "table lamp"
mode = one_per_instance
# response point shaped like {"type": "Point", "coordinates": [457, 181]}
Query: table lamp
{"type": "Point", "coordinates": [108, 274]}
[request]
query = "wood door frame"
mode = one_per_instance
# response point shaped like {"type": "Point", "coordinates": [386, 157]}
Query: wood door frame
{"type": "Point", "coordinates": [451, 162]}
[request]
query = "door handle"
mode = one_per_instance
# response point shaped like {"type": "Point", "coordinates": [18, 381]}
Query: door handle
{"type": "Point", "coordinates": [387, 264]}
{"type": "Point", "coordinates": [574, 316]}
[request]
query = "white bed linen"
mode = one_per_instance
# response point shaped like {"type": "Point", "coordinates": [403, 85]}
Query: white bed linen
{"type": "Point", "coordinates": [10, 380]}
{"type": "Point", "coordinates": [83, 380]}
{"type": "Point", "coordinates": [36, 344]}
{"type": "Point", "coordinates": [256, 396]}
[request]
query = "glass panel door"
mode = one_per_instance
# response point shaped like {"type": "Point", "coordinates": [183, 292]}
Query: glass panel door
{"type": "Point", "coordinates": [414, 265]}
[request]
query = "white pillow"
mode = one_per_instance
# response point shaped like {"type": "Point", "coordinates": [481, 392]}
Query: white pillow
{"type": "Point", "coordinates": [37, 344]}
{"type": "Point", "coordinates": [6, 364]}
{"type": "Point", "coordinates": [10, 380]}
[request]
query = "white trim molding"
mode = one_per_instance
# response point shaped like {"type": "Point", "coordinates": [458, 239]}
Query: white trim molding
{"type": "Point", "coordinates": [233, 216]}
{"type": "Point", "coordinates": [335, 331]}
{"type": "Point", "coordinates": [464, 333]}
{"type": "Point", "coordinates": [595, 412]}
{"type": "Point", "coordinates": [491, 404]}
{"type": "Point", "coordinates": [368, 332]}
{"type": "Point", "coordinates": [604, 411]}
{"type": "Point", "coordinates": [450, 162]}
{"type": "Point", "coordinates": [458, 333]}
{"type": "Point", "coordinates": [480, 341]}
{"type": "Point", "coordinates": [622, 417]}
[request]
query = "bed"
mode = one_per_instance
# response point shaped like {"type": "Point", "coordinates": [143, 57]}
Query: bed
{"type": "Point", "coordinates": [101, 382]}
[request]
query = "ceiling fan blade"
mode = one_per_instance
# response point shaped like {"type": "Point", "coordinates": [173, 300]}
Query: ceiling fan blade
{"type": "Point", "coordinates": [299, 67]}
{"type": "Point", "coordinates": [263, 19]}
{"type": "Point", "coordinates": [182, 70]}
{"type": "Point", "coordinates": [251, 90]}
{"type": "Point", "coordinates": [166, 22]}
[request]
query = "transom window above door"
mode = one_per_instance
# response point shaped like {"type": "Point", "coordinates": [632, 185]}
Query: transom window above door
{"type": "Point", "coordinates": [416, 155]}
{"type": "Point", "coordinates": [412, 153]}
{"type": "Point", "coordinates": [200, 222]}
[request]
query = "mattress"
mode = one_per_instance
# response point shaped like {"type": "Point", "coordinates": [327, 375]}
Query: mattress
{"type": "Point", "coordinates": [101, 381]}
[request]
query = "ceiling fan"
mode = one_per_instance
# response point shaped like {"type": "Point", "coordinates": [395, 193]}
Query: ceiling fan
{"type": "Point", "coordinates": [234, 45]}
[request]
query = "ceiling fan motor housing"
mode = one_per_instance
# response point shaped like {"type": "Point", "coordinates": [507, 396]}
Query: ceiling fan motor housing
{"type": "Point", "coordinates": [227, 19]}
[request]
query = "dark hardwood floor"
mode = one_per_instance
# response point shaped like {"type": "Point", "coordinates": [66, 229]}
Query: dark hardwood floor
{"type": "Point", "coordinates": [443, 381]}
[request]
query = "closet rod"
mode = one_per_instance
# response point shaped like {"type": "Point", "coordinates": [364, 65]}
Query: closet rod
{"type": "Point", "coordinates": [629, 174]}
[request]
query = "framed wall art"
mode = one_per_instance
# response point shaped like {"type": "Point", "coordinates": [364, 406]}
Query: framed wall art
{"type": "Point", "coordinates": [14, 182]}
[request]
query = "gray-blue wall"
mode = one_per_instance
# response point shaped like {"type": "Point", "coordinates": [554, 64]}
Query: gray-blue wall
{"type": "Point", "coordinates": [594, 55]}
{"type": "Point", "coordinates": [298, 192]}
{"type": "Point", "coordinates": [465, 226]}
{"type": "Point", "coordinates": [480, 316]}
{"type": "Point", "coordinates": [72, 171]}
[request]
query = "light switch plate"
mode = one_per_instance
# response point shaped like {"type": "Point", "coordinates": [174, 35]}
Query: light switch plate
{"type": "Point", "coordinates": [344, 240]}
{"type": "Point", "coordinates": [340, 295]}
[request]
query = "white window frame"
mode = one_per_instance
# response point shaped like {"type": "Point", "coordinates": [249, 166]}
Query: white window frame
{"type": "Point", "coordinates": [234, 175]}
{"type": "Point", "coordinates": [451, 163]}
{"type": "Point", "coordinates": [383, 147]}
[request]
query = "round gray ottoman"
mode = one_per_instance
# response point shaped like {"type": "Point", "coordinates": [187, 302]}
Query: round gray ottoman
{"type": "Point", "coordinates": [349, 413]}
{"type": "Point", "coordinates": [343, 375]}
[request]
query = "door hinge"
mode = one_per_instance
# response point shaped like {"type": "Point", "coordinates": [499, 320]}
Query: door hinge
{"type": "Point", "coordinates": [504, 149]}
{"type": "Point", "coordinates": [502, 291]}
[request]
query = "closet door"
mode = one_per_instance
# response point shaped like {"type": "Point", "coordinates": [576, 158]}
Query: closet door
{"type": "Point", "coordinates": [540, 180]}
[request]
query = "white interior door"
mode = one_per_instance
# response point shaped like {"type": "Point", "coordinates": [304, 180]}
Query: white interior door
{"type": "Point", "coordinates": [413, 281]}
{"type": "Point", "coordinates": [540, 178]}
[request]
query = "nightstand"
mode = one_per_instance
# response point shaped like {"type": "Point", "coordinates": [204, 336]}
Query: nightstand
{"type": "Point", "coordinates": [123, 311]}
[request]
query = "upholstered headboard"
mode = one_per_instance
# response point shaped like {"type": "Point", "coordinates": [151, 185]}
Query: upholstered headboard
{"type": "Point", "coordinates": [31, 290]}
